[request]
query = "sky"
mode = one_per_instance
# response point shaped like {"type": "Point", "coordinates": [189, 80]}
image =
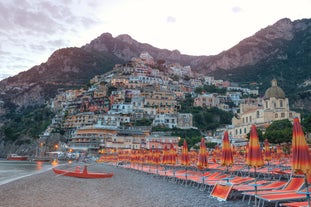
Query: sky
{"type": "Point", "coordinates": [31, 30]}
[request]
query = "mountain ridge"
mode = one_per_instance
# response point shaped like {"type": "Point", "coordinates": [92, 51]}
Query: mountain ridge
{"type": "Point", "coordinates": [73, 67]}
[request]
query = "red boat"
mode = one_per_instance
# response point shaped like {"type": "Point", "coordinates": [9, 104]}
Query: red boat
{"type": "Point", "coordinates": [84, 174]}
{"type": "Point", "coordinates": [16, 157]}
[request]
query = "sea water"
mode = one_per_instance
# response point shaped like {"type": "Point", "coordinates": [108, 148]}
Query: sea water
{"type": "Point", "coordinates": [13, 170]}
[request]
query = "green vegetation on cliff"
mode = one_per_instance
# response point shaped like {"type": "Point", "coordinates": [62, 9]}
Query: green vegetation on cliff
{"type": "Point", "coordinates": [26, 123]}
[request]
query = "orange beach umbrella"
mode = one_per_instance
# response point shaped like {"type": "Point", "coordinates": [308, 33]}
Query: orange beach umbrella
{"type": "Point", "coordinates": [227, 156]}
{"type": "Point", "coordinates": [301, 162]}
{"type": "Point", "coordinates": [202, 156]}
{"type": "Point", "coordinates": [185, 158]}
{"type": "Point", "coordinates": [254, 156]}
{"type": "Point", "coordinates": [267, 154]}
{"type": "Point", "coordinates": [156, 157]}
{"type": "Point", "coordinates": [165, 156]}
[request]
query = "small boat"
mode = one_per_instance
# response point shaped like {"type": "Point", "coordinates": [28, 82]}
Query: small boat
{"type": "Point", "coordinates": [16, 157]}
{"type": "Point", "coordinates": [84, 174]}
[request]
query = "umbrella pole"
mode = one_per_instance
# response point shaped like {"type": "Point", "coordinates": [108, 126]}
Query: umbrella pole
{"type": "Point", "coordinates": [307, 187]}
{"type": "Point", "coordinates": [186, 174]}
{"type": "Point", "coordinates": [255, 185]}
{"type": "Point", "coordinates": [227, 173]}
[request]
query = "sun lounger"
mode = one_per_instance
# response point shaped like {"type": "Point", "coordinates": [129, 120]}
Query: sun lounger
{"type": "Point", "coordinates": [276, 198]}
{"type": "Point", "coordinates": [295, 204]}
{"type": "Point", "coordinates": [270, 186]}
{"type": "Point", "coordinates": [262, 186]}
{"type": "Point", "coordinates": [294, 184]}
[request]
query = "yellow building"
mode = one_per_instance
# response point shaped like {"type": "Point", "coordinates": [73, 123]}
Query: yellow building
{"type": "Point", "coordinates": [273, 106]}
{"type": "Point", "coordinates": [91, 138]}
{"type": "Point", "coordinates": [163, 101]}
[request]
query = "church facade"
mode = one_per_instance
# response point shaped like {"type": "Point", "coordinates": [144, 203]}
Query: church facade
{"type": "Point", "coordinates": [262, 112]}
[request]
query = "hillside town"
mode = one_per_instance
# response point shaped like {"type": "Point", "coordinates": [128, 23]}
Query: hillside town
{"type": "Point", "coordinates": [103, 115]}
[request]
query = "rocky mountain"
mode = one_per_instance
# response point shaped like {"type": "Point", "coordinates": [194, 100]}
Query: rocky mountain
{"type": "Point", "coordinates": [273, 52]}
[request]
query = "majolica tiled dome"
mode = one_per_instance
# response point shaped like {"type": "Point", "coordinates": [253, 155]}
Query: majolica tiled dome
{"type": "Point", "coordinates": [274, 91]}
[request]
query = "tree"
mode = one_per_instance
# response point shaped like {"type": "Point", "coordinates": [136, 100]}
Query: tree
{"type": "Point", "coordinates": [259, 133]}
{"type": "Point", "coordinates": [279, 132]}
{"type": "Point", "coordinates": [306, 122]}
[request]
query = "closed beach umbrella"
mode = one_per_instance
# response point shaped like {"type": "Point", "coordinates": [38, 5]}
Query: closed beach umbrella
{"type": "Point", "coordinates": [165, 156]}
{"type": "Point", "coordinates": [202, 156]}
{"type": "Point", "coordinates": [185, 158]}
{"type": "Point", "coordinates": [216, 154]}
{"type": "Point", "coordinates": [301, 161]}
{"type": "Point", "coordinates": [156, 159]}
{"type": "Point", "coordinates": [267, 153]}
{"type": "Point", "coordinates": [254, 155]}
{"type": "Point", "coordinates": [227, 155]}
{"type": "Point", "coordinates": [279, 152]}
{"type": "Point", "coordinates": [172, 155]}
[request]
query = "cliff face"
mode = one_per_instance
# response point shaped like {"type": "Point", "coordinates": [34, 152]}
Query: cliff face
{"type": "Point", "coordinates": [268, 43]}
{"type": "Point", "coordinates": [74, 67]}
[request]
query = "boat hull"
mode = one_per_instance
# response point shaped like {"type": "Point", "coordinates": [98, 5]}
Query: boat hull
{"type": "Point", "coordinates": [17, 158]}
{"type": "Point", "coordinates": [82, 174]}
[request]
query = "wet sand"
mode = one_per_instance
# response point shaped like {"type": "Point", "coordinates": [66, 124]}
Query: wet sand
{"type": "Point", "coordinates": [126, 188]}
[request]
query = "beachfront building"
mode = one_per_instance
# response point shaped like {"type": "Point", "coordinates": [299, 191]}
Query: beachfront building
{"type": "Point", "coordinates": [160, 141]}
{"type": "Point", "coordinates": [129, 138]}
{"type": "Point", "coordinates": [91, 138]}
{"type": "Point", "coordinates": [262, 112]}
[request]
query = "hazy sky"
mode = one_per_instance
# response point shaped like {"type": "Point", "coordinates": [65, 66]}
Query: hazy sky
{"type": "Point", "coordinates": [31, 30]}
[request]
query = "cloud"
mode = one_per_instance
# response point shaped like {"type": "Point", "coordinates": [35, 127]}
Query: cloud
{"type": "Point", "coordinates": [36, 28]}
{"type": "Point", "coordinates": [170, 19]}
{"type": "Point", "coordinates": [236, 9]}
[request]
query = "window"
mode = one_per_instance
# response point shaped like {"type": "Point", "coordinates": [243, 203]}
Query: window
{"type": "Point", "coordinates": [281, 103]}
{"type": "Point", "coordinates": [276, 116]}
{"type": "Point", "coordinates": [282, 115]}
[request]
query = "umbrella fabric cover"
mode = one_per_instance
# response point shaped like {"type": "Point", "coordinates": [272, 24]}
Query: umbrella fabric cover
{"type": "Point", "coordinates": [267, 153]}
{"type": "Point", "coordinates": [227, 156]}
{"type": "Point", "coordinates": [202, 156]}
{"type": "Point", "coordinates": [301, 162]}
{"type": "Point", "coordinates": [185, 158]}
{"type": "Point", "coordinates": [254, 156]}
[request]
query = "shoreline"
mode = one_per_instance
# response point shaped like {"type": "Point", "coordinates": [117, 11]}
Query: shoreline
{"type": "Point", "coordinates": [126, 188]}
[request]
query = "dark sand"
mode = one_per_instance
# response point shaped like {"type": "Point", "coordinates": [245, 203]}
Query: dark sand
{"type": "Point", "coordinates": [126, 188]}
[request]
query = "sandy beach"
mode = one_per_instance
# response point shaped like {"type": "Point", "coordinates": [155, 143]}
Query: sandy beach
{"type": "Point", "coordinates": [125, 188]}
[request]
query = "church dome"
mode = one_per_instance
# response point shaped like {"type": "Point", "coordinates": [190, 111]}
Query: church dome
{"type": "Point", "coordinates": [274, 91]}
